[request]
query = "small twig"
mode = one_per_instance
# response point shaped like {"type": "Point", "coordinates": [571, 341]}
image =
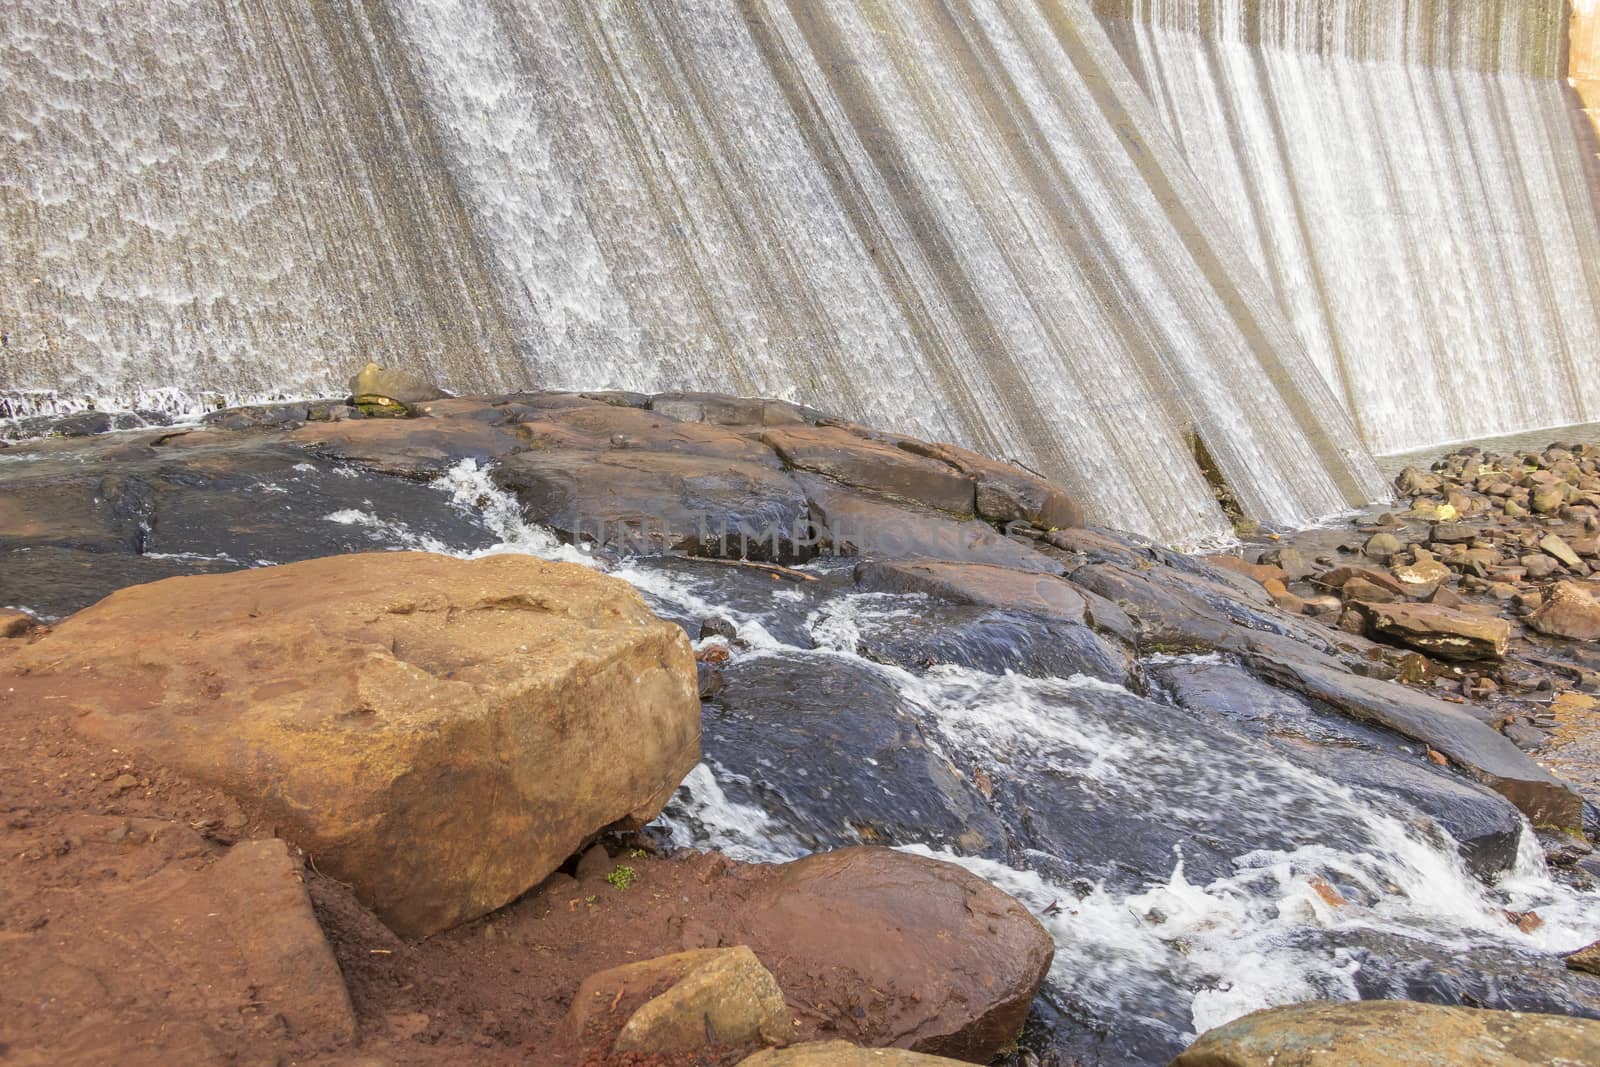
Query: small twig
{"type": "Point", "coordinates": [771, 568]}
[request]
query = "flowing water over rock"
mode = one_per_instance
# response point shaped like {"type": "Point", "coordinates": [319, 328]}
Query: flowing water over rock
{"type": "Point", "coordinates": [1199, 844]}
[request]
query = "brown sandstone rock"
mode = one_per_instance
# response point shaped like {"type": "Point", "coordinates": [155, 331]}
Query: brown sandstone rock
{"type": "Point", "coordinates": [1361, 590]}
{"type": "Point", "coordinates": [1383, 1033]}
{"type": "Point", "coordinates": [1337, 577]}
{"type": "Point", "coordinates": [602, 427]}
{"type": "Point", "coordinates": [843, 1054]}
{"type": "Point", "coordinates": [1005, 492]}
{"type": "Point", "coordinates": [413, 448]}
{"type": "Point", "coordinates": [939, 960]}
{"type": "Point", "coordinates": [881, 467]}
{"type": "Point", "coordinates": [1568, 610]}
{"type": "Point", "coordinates": [1586, 959]}
{"type": "Point", "coordinates": [440, 734]}
{"type": "Point", "coordinates": [1562, 551]}
{"type": "Point", "coordinates": [698, 999]}
{"type": "Point", "coordinates": [1448, 633]}
{"type": "Point", "coordinates": [1257, 572]}
{"type": "Point", "coordinates": [1423, 576]}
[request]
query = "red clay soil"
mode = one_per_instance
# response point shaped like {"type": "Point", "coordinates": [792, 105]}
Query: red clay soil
{"type": "Point", "coordinates": [79, 824]}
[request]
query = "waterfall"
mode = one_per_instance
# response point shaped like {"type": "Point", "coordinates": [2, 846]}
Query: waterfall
{"type": "Point", "coordinates": [1095, 238]}
{"type": "Point", "coordinates": [1407, 177]}
{"type": "Point", "coordinates": [239, 198]}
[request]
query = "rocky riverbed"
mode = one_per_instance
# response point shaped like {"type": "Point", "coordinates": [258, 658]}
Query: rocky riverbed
{"type": "Point", "coordinates": [299, 801]}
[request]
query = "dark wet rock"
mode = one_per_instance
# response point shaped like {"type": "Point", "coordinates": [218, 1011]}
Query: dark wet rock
{"type": "Point", "coordinates": [968, 583]}
{"type": "Point", "coordinates": [874, 465]}
{"type": "Point", "coordinates": [1469, 742]}
{"type": "Point", "coordinates": [413, 448]}
{"type": "Point", "coordinates": [258, 415]}
{"type": "Point", "coordinates": [1042, 626]}
{"type": "Point", "coordinates": [661, 501]}
{"type": "Point", "coordinates": [54, 582]}
{"type": "Point", "coordinates": [1439, 631]}
{"type": "Point", "coordinates": [156, 506]}
{"type": "Point", "coordinates": [716, 626]}
{"type": "Point", "coordinates": [839, 758]}
{"type": "Point", "coordinates": [1491, 974]}
{"type": "Point", "coordinates": [995, 642]}
{"type": "Point", "coordinates": [708, 680]}
{"type": "Point", "coordinates": [1485, 826]}
{"type": "Point", "coordinates": [1175, 613]}
{"type": "Point", "coordinates": [852, 523]}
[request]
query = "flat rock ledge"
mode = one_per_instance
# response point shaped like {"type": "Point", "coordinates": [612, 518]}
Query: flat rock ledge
{"type": "Point", "coordinates": [440, 734]}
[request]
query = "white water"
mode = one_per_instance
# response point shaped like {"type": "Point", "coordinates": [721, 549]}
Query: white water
{"type": "Point", "coordinates": [1219, 949]}
{"type": "Point", "coordinates": [1413, 190]}
{"type": "Point", "coordinates": [972, 228]}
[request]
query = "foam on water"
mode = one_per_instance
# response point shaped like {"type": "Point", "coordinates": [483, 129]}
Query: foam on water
{"type": "Point", "coordinates": [1211, 950]}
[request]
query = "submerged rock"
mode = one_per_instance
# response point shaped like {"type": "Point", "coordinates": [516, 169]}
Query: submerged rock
{"type": "Point", "coordinates": [1468, 741]}
{"type": "Point", "coordinates": [440, 734]}
{"type": "Point", "coordinates": [842, 759]}
{"type": "Point", "coordinates": [1374, 1033]}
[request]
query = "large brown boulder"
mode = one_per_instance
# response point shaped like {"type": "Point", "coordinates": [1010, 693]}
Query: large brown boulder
{"type": "Point", "coordinates": [440, 734]}
{"type": "Point", "coordinates": [936, 959]}
{"type": "Point", "coordinates": [1568, 610]}
{"type": "Point", "coordinates": [1385, 1032]}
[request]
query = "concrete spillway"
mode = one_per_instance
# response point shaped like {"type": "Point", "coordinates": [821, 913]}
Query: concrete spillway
{"type": "Point", "coordinates": [1084, 237]}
